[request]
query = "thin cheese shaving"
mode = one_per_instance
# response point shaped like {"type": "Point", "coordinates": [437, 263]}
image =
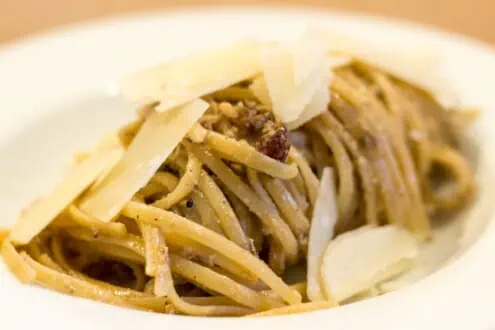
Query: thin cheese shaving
{"type": "Point", "coordinates": [322, 231]}
{"type": "Point", "coordinates": [259, 89]}
{"type": "Point", "coordinates": [293, 74]}
{"type": "Point", "coordinates": [156, 140]}
{"type": "Point", "coordinates": [44, 210]}
{"type": "Point", "coordinates": [358, 260]}
{"type": "Point", "coordinates": [318, 105]}
{"type": "Point", "coordinates": [181, 81]}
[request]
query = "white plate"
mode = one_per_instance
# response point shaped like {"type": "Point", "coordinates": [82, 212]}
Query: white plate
{"type": "Point", "coordinates": [56, 97]}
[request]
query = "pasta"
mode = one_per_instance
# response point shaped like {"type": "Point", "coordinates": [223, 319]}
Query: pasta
{"type": "Point", "coordinates": [218, 218]}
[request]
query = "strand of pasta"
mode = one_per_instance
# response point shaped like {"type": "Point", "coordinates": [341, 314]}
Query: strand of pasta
{"type": "Point", "coordinates": [71, 285]}
{"type": "Point", "coordinates": [296, 309]}
{"type": "Point", "coordinates": [97, 226]}
{"type": "Point", "coordinates": [311, 181]}
{"type": "Point", "coordinates": [255, 182]}
{"type": "Point", "coordinates": [242, 152]}
{"type": "Point", "coordinates": [170, 221]}
{"type": "Point", "coordinates": [376, 147]}
{"type": "Point", "coordinates": [448, 199]}
{"type": "Point", "coordinates": [64, 266]}
{"type": "Point", "coordinates": [277, 227]}
{"type": "Point", "coordinates": [301, 201]}
{"type": "Point", "coordinates": [178, 243]}
{"type": "Point", "coordinates": [320, 153]}
{"type": "Point", "coordinates": [167, 287]}
{"type": "Point", "coordinates": [249, 223]}
{"type": "Point", "coordinates": [221, 284]}
{"type": "Point", "coordinates": [206, 213]}
{"type": "Point", "coordinates": [288, 207]}
{"type": "Point", "coordinates": [3, 235]}
{"type": "Point", "coordinates": [394, 150]}
{"type": "Point", "coordinates": [276, 257]}
{"type": "Point", "coordinates": [226, 215]}
{"type": "Point", "coordinates": [17, 265]}
{"type": "Point", "coordinates": [363, 167]}
{"type": "Point", "coordinates": [185, 186]}
{"type": "Point", "coordinates": [234, 93]}
{"type": "Point", "coordinates": [418, 220]}
{"type": "Point", "coordinates": [347, 190]}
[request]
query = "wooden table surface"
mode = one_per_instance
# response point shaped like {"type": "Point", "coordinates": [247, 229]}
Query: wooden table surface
{"type": "Point", "coordinates": [23, 17]}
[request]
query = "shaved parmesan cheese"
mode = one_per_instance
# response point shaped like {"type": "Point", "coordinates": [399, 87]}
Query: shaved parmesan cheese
{"type": "Point", "coordinates": [318, 105]}
{"type": "Point", "coordinates": [409, 277]}
{"type": "Point", "coordinates": [259, 89]}
{"type": "Point", "coordinates": [155, 141]}
{"type": "Point", "coordinates": [181, 81]}
{"type": "Point", "coordinates": [44, 210]}
{"type": "Point", "coordinates": [360, 259]}
{"type": "Point", "coordinates": [322, 230]}
{"type": "Point", "coordinates": [293, 74]}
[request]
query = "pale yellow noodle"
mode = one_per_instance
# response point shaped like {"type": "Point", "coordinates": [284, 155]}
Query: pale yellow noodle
{"type": "Point", "coordinates": [164, 285]}
{"type": "Point", "coordinates": [347, 190]}
{"type": "Point", "coordinates": [242, 152]}
{"type": "Point", "coordinates": [277, 227]}
{"type": "Point", "coordinates": [77, 287]}
{"type": "Point", "coordinates": [17, 265]}
{"type": "Point", "coordinates": [97, 226]}
{"type": "Point", "coordinates": [151, 189]}
{"type": "Point", "coordinates": [296, 309]}
{"type": "Point", "coordinates": [362, 164]}
{"type": "Point", "coordinates": [255, 182]}
{"type": "Point", "coordinates": [311, 181]}
{"type": "Point", "coordinates": [185, 186]}
{"type": "Point", "coordinates": [249, 223]}
{"type": "Point", "coordinates": [234, 93]}
{"type": "Point", "coordinates": [226, 215]}
{"type": "Point", "coordinates": [208, 217]}
{"type": "Point", "coordinates": [288, 206]}
{"type": "Point", "coordinates": [3, 235]}
{"type": "Point", "coordinates": [276, 258]}
{"type": "Point", "coordinates": [221, 284]}
{"type": "Point", "coordinates": [170, 221]}
{"type": "Point", "coordinates": [301, 200]}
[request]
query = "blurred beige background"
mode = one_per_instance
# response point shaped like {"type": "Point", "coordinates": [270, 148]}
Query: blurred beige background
{"type": "Point", "coordinates": [472, 17]}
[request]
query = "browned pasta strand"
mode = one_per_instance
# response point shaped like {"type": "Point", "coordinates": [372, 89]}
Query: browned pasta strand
{"type": "Point", "coordinates": [276, 257]}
